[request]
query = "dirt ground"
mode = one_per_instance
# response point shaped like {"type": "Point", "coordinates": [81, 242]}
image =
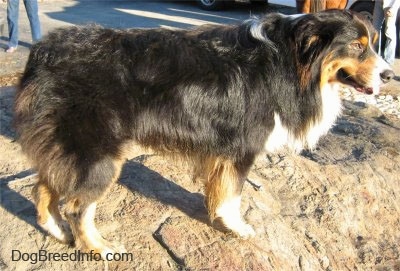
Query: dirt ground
{"type": "Point", "coordinates": [336, 208]}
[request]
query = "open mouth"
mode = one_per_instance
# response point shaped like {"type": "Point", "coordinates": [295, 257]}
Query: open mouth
{"type": "Point", "coordinates": [348, 80]}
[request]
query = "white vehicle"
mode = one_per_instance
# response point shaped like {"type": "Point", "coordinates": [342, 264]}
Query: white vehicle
{"type": "Point", "coordinates": [363, 6]}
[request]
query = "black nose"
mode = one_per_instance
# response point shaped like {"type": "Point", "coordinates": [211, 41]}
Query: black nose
{"type": "Point", "coordinates": [387, 75]}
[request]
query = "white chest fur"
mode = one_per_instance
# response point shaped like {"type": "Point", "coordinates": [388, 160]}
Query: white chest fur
{"type": "Point", "coordinates": [281, 135]}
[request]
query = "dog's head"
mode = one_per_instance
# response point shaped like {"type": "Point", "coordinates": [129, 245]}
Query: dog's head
{"type": "Point", "coordinates": [333, 46]}
{"type": "Point", "coordinates": [339, 44]}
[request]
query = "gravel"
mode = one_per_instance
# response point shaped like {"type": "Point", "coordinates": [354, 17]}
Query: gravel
{"type": "Point", "coordinates": [386, 103]}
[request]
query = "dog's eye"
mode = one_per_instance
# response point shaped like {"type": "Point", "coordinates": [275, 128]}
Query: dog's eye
{"type": "Point", "coordinates": [357, 46]}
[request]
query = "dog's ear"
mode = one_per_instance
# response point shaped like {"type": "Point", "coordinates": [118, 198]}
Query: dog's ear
{"type": "Point", "coordinates": [311, 40]}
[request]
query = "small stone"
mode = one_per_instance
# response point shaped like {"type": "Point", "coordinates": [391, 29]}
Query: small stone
{"type": "Point", "coordinates": [325, 262]}
{"type": "Point", "coordinates": [371, 101]}
{"type": "Point", "coordinates": [346, 94]}
{"type": "Point", "coordinates": [360, 99]}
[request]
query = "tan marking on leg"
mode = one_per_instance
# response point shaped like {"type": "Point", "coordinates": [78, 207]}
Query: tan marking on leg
{"type": "Point", "coordinates": [118, 163]}
{"type": "Point", "coordinates": [49, 217]}
{"type": "Point", "coordinates": [81, 218]}
{"type": "Point", "coordinates": [219, 184]}
{"type": "Point", "coordinates": [223, 195]}
{"type": "Point", "coordinates": [87, 236]}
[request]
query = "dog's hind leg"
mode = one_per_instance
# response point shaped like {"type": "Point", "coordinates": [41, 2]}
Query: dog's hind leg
{"type": "Point", "coordinates": [223, 187]}
{"type": "Point", "coordinates": [48, 214]}
{"type": "Point", "coordinates": [81, 208]}
{"type": "Point", "coordinates": [81, 216]}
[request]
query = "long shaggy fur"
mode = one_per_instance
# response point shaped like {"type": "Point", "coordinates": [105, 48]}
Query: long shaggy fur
{"type": "Point", "coordinates": [214, 94]}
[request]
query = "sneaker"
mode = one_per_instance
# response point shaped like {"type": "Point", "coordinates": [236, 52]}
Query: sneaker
{"type": "Point", "coordinates": [11, 50]}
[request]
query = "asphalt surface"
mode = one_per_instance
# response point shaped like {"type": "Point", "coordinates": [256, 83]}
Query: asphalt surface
{"type": "Point", "coordinates": [124, 14]}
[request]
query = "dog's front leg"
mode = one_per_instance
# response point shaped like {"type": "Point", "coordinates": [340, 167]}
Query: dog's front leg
{"type": "Point", "coordinates": [223, 186]}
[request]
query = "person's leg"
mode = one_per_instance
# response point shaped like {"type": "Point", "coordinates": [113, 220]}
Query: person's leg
{"type": "Point", "coordinates": [377, 21]}
{"type": "Point", "coordinates": [12, 20]}
{"type": "Point", "coordinates": [390, 45]}
{"type": "Point", "coordinates": [299, 5]}
{"type": "Point", "coordinates": [32, 11]}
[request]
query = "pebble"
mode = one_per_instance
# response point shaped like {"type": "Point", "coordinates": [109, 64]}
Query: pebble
{"type": "Point", "coordinates": [385, 103]}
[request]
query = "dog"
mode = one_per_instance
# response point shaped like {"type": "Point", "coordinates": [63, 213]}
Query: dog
{"type": "Point", "coordinates": [217, 96]}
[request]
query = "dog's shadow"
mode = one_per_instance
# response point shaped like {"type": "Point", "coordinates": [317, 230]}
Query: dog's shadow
{"type": "Point", "coordinates": [139, 179]}
{"type": "Point", "coordinates": [135, 177]}
{"type": "Point", "coordinates": [15, 203]}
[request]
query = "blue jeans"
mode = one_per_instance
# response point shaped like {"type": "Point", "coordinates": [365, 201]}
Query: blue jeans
{"type": "Point", "coordinates": [31, 7]}
{"type": "Point", "coordinates": [389, 52]}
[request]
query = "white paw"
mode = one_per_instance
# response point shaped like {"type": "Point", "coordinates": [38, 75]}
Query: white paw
{"type": "Point", "coordinates": [59, 229]}
{"type": "Point", "coordinates": [244, 231]}
{"type": "Point", "coordinates": [229, 213]}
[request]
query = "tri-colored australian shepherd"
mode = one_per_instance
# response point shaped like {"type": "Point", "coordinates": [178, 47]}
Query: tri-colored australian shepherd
{"type": "Point", "coordinates": [216, 95]}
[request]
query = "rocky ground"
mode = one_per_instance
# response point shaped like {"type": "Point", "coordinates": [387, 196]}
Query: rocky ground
{"type": "Point", "coordinates": [336, 208]}
{"type": "Point", "coordinates": [388, 101]}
